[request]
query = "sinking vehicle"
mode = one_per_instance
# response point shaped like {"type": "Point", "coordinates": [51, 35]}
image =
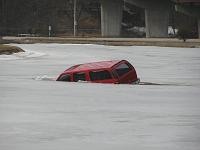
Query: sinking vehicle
{"type": "Point", "coordinates": [115, 71]}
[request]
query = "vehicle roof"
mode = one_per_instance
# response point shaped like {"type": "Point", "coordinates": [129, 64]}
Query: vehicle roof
{"type": "Point", "coordinates": [93, 65]}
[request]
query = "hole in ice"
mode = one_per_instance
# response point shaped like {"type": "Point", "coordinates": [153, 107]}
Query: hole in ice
{"type": "Point", "coordinates": [163, 84]}
{"type": "Point", "coordinates": [49, 78]}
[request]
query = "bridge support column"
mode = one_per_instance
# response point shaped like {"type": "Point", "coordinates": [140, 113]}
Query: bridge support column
{"type": "Point", "coordinates": [156, 16]}
{"type": "Point", "coordinates": [111, 17]}
{"type": "Point", "coordinates": [199, 27]}
{"type": "Point", "coordinates": [157, 21]}
{"type": "Point", "coordinates": [3, 17]}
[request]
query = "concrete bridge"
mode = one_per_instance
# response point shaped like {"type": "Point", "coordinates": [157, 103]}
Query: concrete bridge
{"type": "Point", "coordinates": [156, 15]}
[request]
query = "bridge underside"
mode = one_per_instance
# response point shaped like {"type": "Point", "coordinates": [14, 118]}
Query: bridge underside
{"type": "Point", "coordinates": [156, 17]}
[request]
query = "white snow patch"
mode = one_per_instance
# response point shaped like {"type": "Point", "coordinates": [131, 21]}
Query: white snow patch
{"type": "Point", "coordinates": [22, 55]}
{"type": "Point", "coordinates": [44, 78]}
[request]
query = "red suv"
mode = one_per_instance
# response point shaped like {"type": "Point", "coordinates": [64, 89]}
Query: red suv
{"type": "Point", "coordinates": [116, 71]}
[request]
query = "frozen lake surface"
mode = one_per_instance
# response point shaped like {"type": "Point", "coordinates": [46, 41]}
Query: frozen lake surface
{"type": "Point", "coordinates": [39, 114]}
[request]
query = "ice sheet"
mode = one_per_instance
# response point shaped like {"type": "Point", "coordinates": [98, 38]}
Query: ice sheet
{"type": "Point", "coordinates": [37, 113]}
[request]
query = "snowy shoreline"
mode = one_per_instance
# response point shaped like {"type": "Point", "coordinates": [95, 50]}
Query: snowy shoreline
{"type": "Point", "coordinates": [162, 42]}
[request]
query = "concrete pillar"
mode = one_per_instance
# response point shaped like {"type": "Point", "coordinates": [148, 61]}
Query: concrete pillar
{"type": "Point", "coordinates": [3, 17]}
{"type": "Point", "coordinates": [156, 16]}
{"type": "Point", "coordinates": [157, 21]}
{"type": "Point", "coordinates": [111, 17]}
{"type": "Point", "coordinates": [199, 27]}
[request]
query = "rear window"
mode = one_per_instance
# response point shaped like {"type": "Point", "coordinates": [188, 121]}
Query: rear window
{"type": "Point", "coordinates": [65, 77]}
{"type": "Point", "coordinates": [122, 69]}
{"type": "Point", "coordinates": [79, 76]}
{"type": "Point", "coordinates": [100, 75]}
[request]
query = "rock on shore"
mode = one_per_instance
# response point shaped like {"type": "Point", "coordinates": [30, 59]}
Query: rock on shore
{"type": "Point", "coordinates": [8, 50]}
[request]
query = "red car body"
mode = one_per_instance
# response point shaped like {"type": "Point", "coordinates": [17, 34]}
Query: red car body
{"type": "Point", "coordinates": [116, 71]}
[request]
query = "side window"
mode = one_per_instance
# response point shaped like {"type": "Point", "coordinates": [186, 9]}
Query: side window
{"type": "Point", "coordinates": [122, 69]}
{"type": "Point", "coordinates": [80, 76]}
{"type": "Point", "coordinates": [65, 77]}
{"type": "Point", "coordinates": [100, 75]}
